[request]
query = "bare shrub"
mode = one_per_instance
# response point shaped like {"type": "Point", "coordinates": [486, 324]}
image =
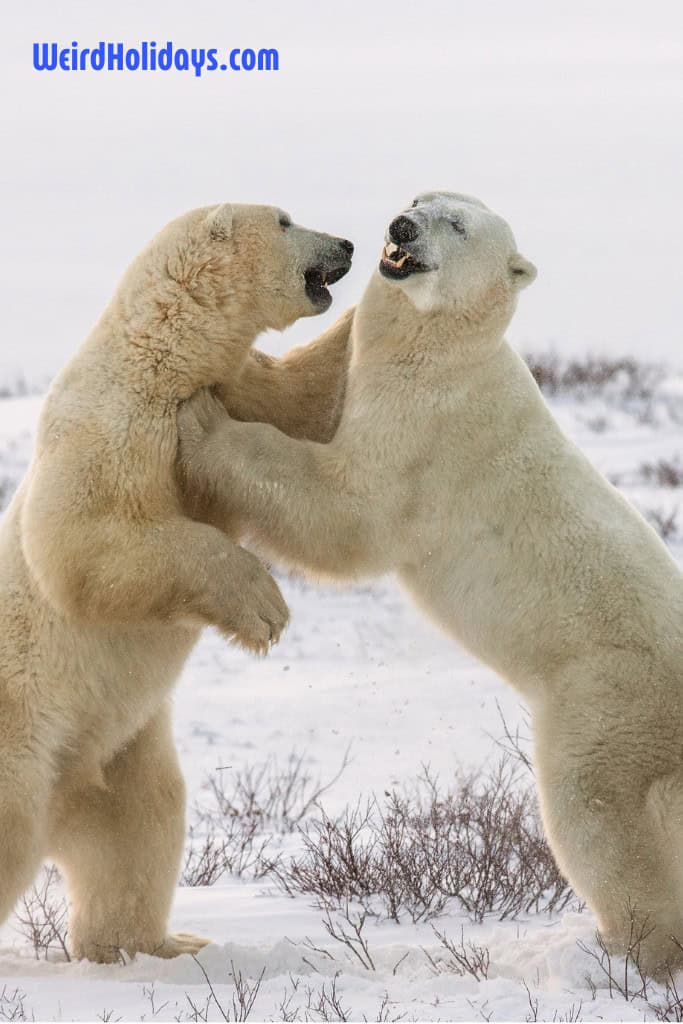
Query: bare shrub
{"type": "Point", "coordinates": [626, 979]}
{"type": "Point", "coordinates": [243, 997]}
{"type": "Point", "coordinates": [205, 860]}
{"type": "Point", "coordinates": [12, 1004]}
{"type": "Point", "coordinates": [532, 1015]}
{"type": "Point", "coordinates": [570, 1015]}
{"type": "Point", "coordinates": [288, 1010]}
{"type": "Point", "coordinates": [150, 994]}
{"type": "Point", "coordinates": [463, 958]}
{"type": "Point", "coordinates": [245, 994]}
{"type": "Point", "coordinates": [665, 523]}
{"type": "Point", "coordinates": [228, 838]}
{"type": "Point", "coordinates": [662, 473]}
{"type": "Point", "coordinates": [42, 916]}
{"type": "Point", "coordinates": [18, 387]}
{"type": "Point", "coordinates": [274, 797]}
{"type": "Point", "coordinates": [591, 374]}
{"type": "Point", "coordinates": [236, 849]}
{"type": "Point", "coordinates": [480, 843]}
{"type": "Point", "coordinates": [598, 424]}
{"type": "Point", "coordinates": [196, 1012]}
{"type": "Point", "coordinates": [627, 384]}
{"type": "Point", "coordinates": [324, 1004]}
{"type": "Point", "coordinates": [514, 744]}
{"type": "Point", "coordinates": [346, 927]}
{"type": "Point", "coordinates": [348, 859]}
{"type": "Point", "coordinates": [483, 1011]}
{"type": "Point", "coordinates": [384, 1011]}
{"type": "Point", "coordinates": [671, 1006]}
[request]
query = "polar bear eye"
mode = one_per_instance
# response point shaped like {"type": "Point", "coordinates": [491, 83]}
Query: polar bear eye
{"type": "Point", "coordinates": [285, 222]}
{"type": "Point", "coordinates": [458, 225]}
{"type": "Point", "coordinates": [413, 204]}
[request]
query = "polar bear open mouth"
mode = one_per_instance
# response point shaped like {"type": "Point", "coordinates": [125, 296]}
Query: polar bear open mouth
{"type": "Point", "coordinates": [318, 279]}
{"type": "Point", "coordinates": [398, 263]}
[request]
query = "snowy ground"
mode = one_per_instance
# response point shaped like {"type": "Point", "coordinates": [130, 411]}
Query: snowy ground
{"type": "Point", "coordinates": [360, 670]}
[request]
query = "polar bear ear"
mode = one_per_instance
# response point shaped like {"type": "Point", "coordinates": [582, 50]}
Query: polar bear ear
{"type": "Point", "coordinates": [522, 271]}
{"type": "Point", "coordinates": [220, 222]}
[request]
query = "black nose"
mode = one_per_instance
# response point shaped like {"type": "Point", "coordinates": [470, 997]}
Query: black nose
{"type": "Point", "coordinates": [347, 246]}
{"type": "Point", "coordinates": [402, 229]}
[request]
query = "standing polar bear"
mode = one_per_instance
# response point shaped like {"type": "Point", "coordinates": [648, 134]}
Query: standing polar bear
{"type": "Point", "coordinates": [448, 469]}
{"type": "Point", "coordinates": [107, 581]}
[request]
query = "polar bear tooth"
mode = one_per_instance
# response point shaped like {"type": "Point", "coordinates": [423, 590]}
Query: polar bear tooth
{"type": "Point", "coordinates": [399, 263]}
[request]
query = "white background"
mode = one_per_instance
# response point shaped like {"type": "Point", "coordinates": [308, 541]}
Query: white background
{"type": "Point", "coordinates": [567, 118]}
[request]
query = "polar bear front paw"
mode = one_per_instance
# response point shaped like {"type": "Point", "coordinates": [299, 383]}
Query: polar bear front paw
{"type": "Point", "coordinates": [257, 612]}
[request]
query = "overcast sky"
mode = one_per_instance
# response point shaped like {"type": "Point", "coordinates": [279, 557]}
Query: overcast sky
{"type": "Point", "coordinates": [566, 118]}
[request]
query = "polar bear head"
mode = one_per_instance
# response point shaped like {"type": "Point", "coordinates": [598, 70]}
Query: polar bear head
{"type": "Point", "coordinates": [449, 250]}
{"type": "Point", "coordinates": [251, 262]}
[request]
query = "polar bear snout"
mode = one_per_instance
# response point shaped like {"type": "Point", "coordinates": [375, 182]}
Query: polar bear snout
{"type": "Point", "coordinates": [334, 253]}
{"type": "Point", "coordinates": [403, 229]}
{"type": "Point", "coordinates": [402, 255]}
{"type": "Point", "coordinates": [331, 262]}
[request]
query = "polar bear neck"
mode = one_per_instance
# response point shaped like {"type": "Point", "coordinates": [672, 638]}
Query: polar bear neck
{"type": "Point", "coordinates": [388, 328]}
{"type": "Point", "coordinates": [166, 344]}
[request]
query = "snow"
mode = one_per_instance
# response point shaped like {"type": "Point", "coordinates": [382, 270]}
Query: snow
{"type": "Point", "coordinates": [360, 671]}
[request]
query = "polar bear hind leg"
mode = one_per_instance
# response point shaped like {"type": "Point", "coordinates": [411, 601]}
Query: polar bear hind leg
{"type": "Point", "coordinates": [618, 839]}
{"type": "Point", "coordinates": [120, 848]}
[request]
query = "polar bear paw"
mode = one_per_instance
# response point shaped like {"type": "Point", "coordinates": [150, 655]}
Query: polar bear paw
{"type": "Point", "coordinates": [256, 613]}
{"type": "Point", "coordinates": [259, 630]}
{"type": "Point", "coordinates": [178, 944]}
{"type": "Point", "coordinates": [171, 946]}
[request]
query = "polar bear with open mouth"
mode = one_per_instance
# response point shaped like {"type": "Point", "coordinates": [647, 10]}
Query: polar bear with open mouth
{"type": "Point", "coordinates": [108, 577]}
{"type": "Point", "coordinates": [449, 470]}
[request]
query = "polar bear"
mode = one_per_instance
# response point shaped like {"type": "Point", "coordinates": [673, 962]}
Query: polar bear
{"type": "Point", "coordinates": [449, 470]}
{"type": "Point", "coordinates": [107, 581]}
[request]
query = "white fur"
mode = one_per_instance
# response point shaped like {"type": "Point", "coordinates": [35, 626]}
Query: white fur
{"type": "Point", "coordinates": [449, 470]}
{"type": "Point", "coordinates": [107, 579]}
